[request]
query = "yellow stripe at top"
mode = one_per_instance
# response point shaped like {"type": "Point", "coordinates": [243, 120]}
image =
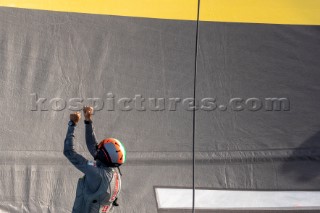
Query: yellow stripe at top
{"type": "Point", "coordinates": [300, 12]}
{"type": "Point", "coordinates": [163, 9]}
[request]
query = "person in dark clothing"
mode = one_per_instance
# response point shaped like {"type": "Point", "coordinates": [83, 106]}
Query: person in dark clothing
{"type": "Point", "coordinates": [98, 189]}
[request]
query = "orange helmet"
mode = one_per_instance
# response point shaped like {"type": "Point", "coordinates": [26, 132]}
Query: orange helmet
{"type": "Point", "coordinates": [111, 152]}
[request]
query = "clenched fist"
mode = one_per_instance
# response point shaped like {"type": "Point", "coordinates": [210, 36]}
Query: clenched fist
{"type": "Point", "coordinates": [75, 117]}
{"type": "Point", "coordinates": [88, 112]}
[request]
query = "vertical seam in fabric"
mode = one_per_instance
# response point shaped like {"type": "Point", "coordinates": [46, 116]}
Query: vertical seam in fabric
{"type": "Point", "coordinates": [194, 110]}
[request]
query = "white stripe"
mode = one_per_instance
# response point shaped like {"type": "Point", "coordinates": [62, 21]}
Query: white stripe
{"type": "Point", "coordinates": [170, 198]}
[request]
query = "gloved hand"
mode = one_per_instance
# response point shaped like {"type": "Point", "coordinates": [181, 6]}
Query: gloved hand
{"type": "Point", "coordinates": [75, 117]}
{"type": "Point", "coordinates": [88, 112]}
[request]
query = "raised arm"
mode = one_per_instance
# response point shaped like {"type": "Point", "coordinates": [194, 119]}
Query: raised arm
{"type": "Point", "coordinates": [76, 159]}
{"type": "Point", "coordinates": [80, 162]}
{"type": "Point", "coordinates": [91, 140]}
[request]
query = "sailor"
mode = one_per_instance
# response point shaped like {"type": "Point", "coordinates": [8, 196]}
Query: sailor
{"type": "Point", "coordinates": [98, 190]}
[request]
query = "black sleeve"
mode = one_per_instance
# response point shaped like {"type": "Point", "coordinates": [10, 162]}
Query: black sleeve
{"type": "Point", "coordinates": [91, 140]}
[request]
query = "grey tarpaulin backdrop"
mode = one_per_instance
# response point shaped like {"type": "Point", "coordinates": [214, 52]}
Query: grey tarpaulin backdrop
{"type": "Point", "coordinates": [66, 55]}
{"type": "Point", "coordinates": [261, 149]}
